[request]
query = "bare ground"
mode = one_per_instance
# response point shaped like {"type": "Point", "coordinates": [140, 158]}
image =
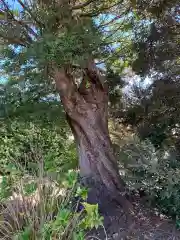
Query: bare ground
{"type": "Point", "coordinates": [143, 224]}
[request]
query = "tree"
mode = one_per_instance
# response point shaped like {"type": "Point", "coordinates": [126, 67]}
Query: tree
{"type": "Point", "coordinates": [57, 43]}
{"type": "Point", "coordinates": [155, 113]}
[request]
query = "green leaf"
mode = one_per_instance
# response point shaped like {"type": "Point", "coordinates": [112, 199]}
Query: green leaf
{"type": "Point", "coordinates": [30, 188]}
{"type": "Point", "coordinates": [82, 192]}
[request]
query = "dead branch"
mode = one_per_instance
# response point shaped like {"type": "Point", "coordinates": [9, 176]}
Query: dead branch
{"type": "Point", "coordinates": [14, 40]}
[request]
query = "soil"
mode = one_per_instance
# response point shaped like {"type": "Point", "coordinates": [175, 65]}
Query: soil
{"type": "Point", "coordinates": [141, 224]}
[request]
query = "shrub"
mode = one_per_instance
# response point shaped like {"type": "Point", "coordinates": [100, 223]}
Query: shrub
{"type": "Point", "coordinates": [25, 142]}
{"type": "Point", "coordinates": [157, 172]}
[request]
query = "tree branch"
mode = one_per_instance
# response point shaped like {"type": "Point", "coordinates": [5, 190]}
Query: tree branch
{"type": "Point", "coordinates": [64, 83]}
{"type": "Point", "coordinates": [95, 14]}
{"type": "Point", "coordinates": [14, 40]}
{"type": "Point", "coordinates": [30, 13]}
{"type": "Point", "coordinates": [107, 23]}
{"type": "Point", "coordinates": [12, 17]}
{"type": "Point", "coordinates": [7, 8]}
{"type": "Point", "coordinates": [116, 18]}
{"type": "Point", "coordinates": [82, 5]}
{"type": "Point", "coordinates": [29, 29]}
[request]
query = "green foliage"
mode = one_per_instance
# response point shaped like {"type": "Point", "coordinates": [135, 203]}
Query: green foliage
{"type": "Point", "coordinates": [30, 188]}
{"type": "Point", "coordinates": [5, 188]}
{"type": "Point", "coordinates": [52, 216]}
{"type": "Point", "coordinates": [92, 219]}
{"type": "Point", "coordinates": [65, 220]}
{"type": "Point", "coordinates": [73, 46]}
{"type": "Point", "coordinates": [154, 171]}
{"type": "Point", "coordinates": [25, 142]}
{"type": "Point", "coordinates": [24, 235]}
{"type": "Point", "coordinates": [83, 192]}
{"type": "Point", "coordinates": [153, 108]}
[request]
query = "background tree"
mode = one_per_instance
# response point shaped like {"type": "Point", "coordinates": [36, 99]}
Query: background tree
{"type": "Point", "coordinates": [155, 113]}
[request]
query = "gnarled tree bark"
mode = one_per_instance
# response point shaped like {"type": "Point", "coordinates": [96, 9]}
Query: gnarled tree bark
{"type": "Point", "coordinates": [86, 107]}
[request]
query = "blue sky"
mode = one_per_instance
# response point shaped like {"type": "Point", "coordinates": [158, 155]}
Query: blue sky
{"type": "Point", "coordinates": [2, 79]}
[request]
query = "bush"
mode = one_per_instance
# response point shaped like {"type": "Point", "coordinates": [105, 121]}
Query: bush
{"type": "Point", "coordinates": [157, 172]}
{"type": "Point", "coordinates": [26, 142]}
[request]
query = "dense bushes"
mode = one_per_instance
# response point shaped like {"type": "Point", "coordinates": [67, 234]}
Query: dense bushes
{"type": "Point", "coordinates": [26, 143]}
{"type": "Point", "coordinates": [157, 172]}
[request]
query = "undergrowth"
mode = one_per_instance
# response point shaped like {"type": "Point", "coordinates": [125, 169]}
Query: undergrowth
{"type": "Point", "coordinates": [35, 208]}
{"type": "Point", "coordinates": [154, 172]}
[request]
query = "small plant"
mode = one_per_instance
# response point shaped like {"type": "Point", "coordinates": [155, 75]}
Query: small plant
{"type": "Point", "coordinates": [92, 218]}
{"type": "Point", "coordinates": [73, 225]}
{"type": "Point", "coordinates": [30, 188]}
{"type": "Point", "coordinates": [24, 235]}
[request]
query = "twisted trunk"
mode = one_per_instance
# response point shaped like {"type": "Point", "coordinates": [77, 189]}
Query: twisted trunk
{"type": "Point", "coordinates": [87, 114]}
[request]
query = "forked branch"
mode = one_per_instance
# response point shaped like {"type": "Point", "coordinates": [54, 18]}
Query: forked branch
{"type": "Point", "coordinates": [30, 13]}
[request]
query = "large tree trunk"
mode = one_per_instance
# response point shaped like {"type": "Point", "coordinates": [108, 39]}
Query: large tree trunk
{"type": "Point", "coordinates": [87, 113]}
